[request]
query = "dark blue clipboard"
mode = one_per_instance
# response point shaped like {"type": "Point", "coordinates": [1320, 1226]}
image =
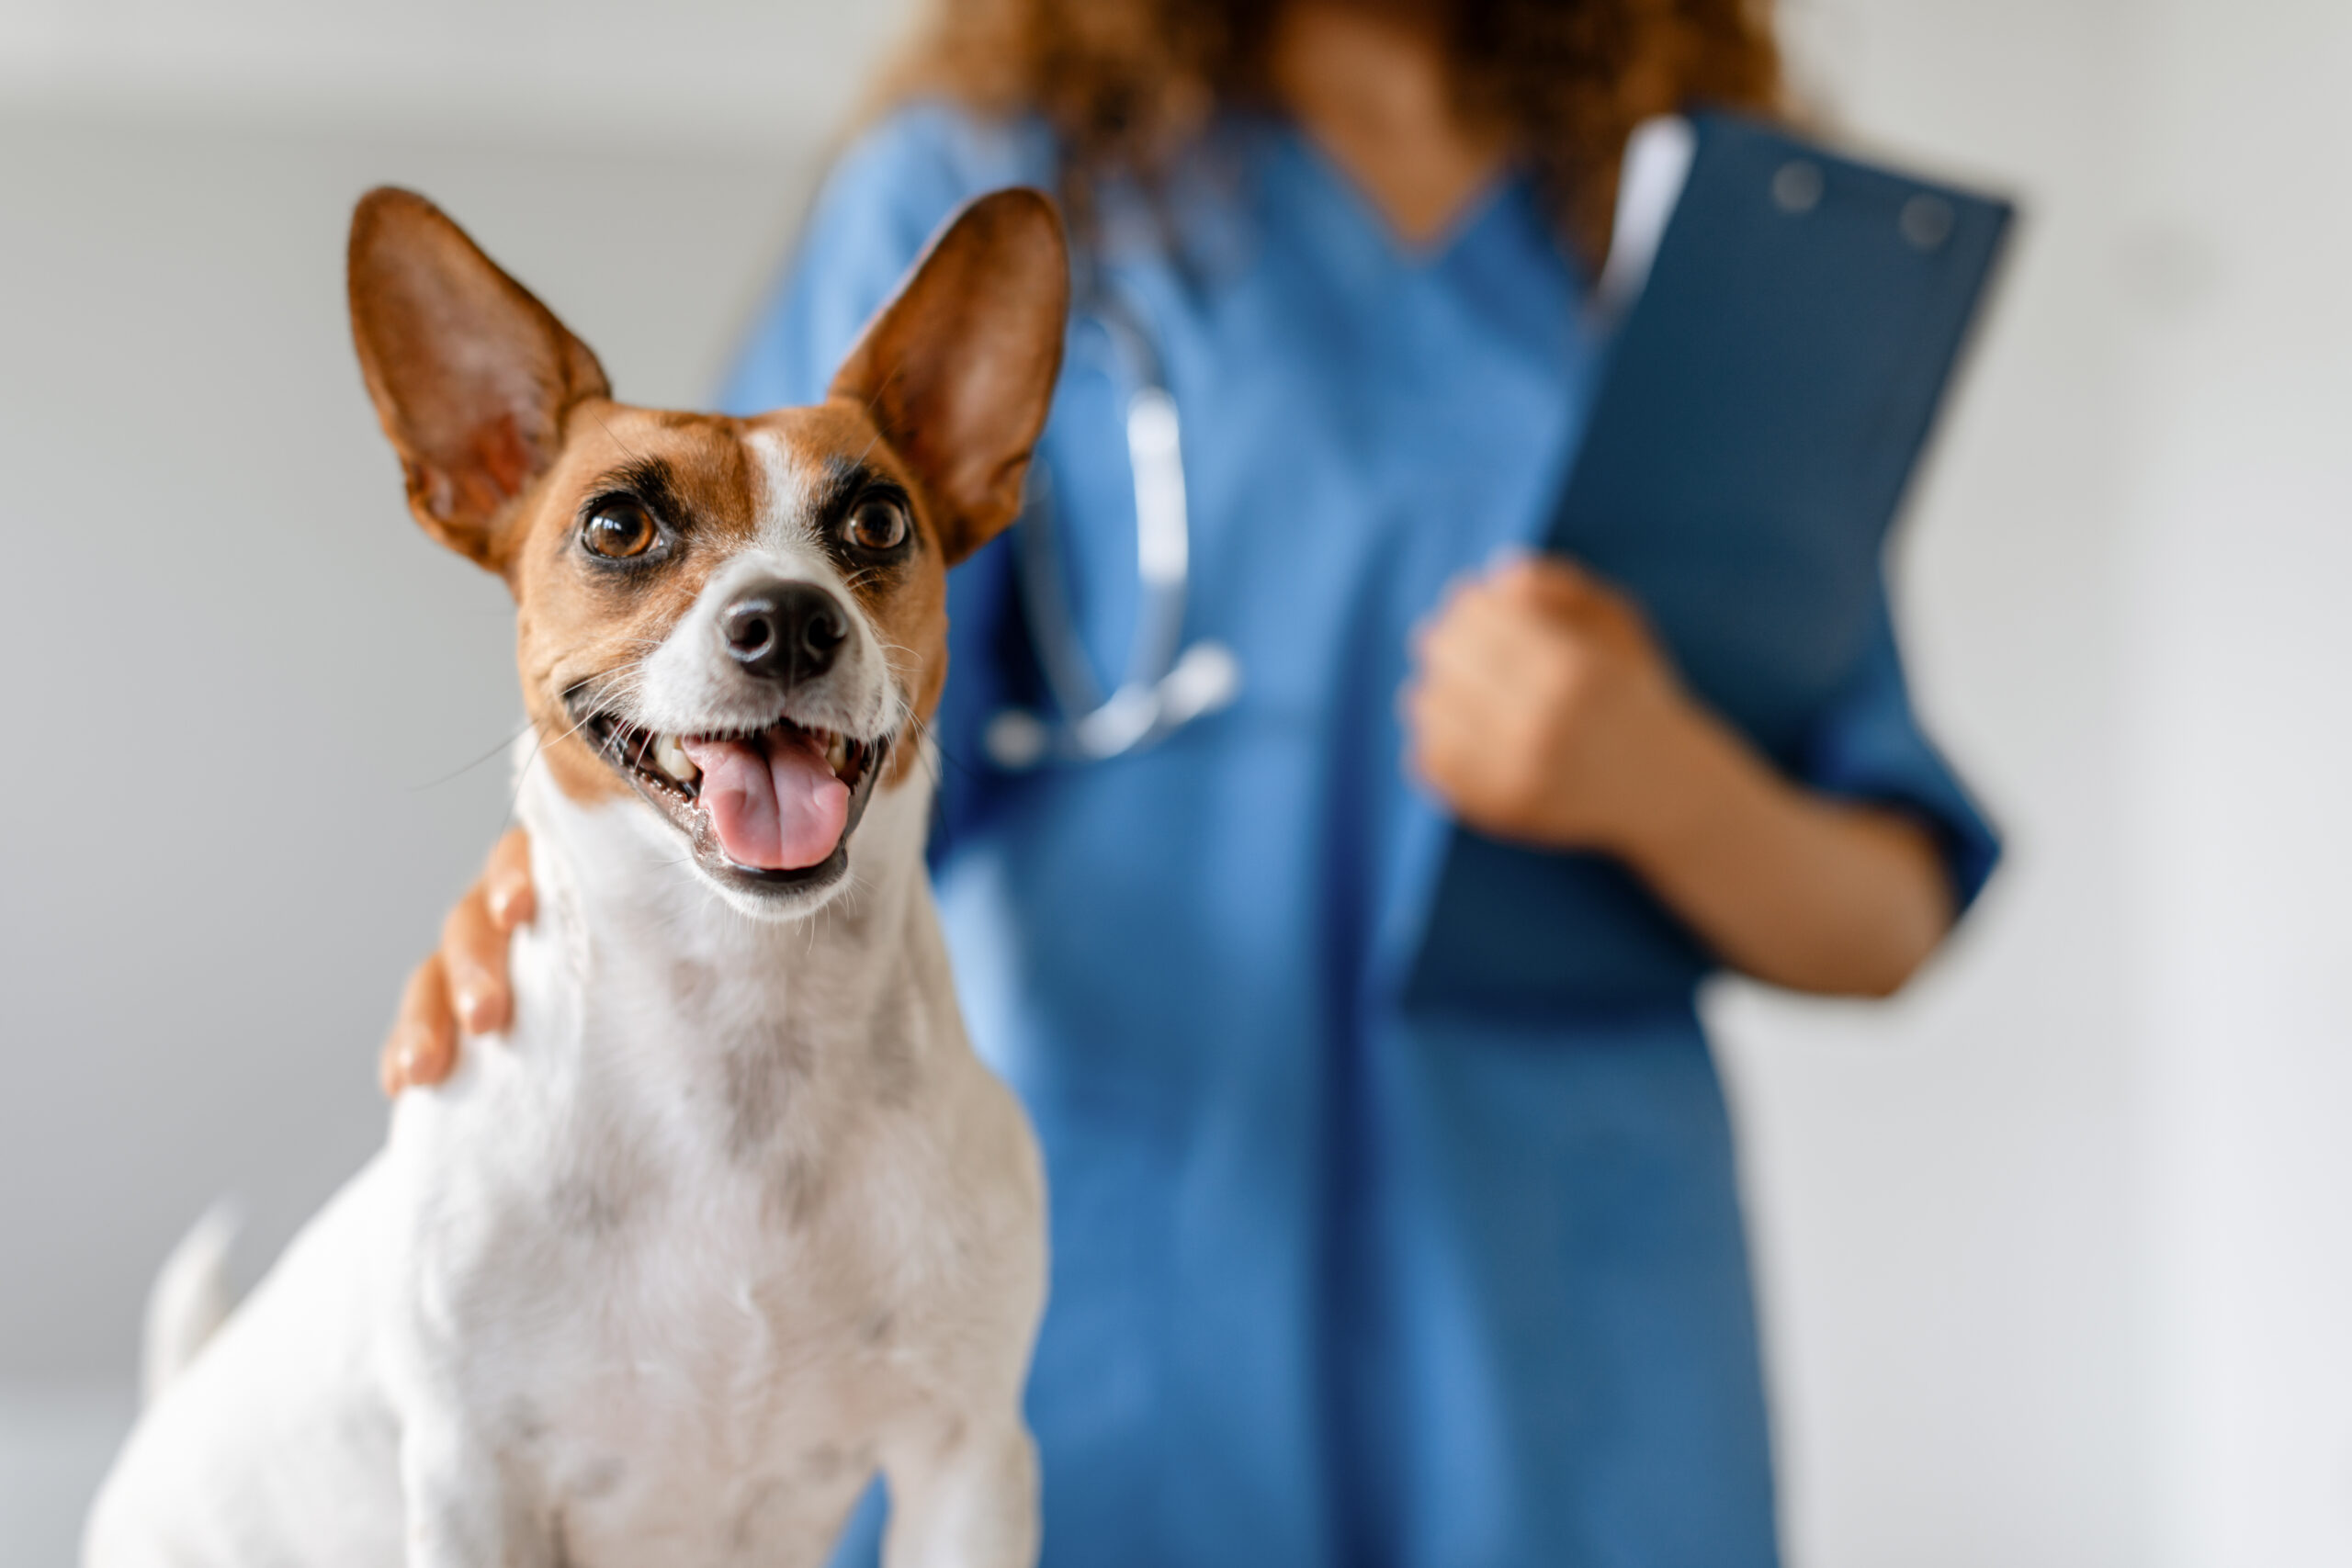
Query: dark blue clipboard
{"type": "Point", "coordinates": [1759, 415]}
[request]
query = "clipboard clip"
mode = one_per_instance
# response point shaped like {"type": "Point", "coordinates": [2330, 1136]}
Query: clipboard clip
{"type": "Point", "coordinates": [1658, 155]}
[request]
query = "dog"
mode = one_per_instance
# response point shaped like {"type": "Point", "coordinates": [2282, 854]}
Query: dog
{"type": "Point", "coordinates": [732, 1218]}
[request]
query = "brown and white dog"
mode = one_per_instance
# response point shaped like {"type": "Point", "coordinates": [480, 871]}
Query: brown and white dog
{"type": "Point", "coordinates": [732, 1218]}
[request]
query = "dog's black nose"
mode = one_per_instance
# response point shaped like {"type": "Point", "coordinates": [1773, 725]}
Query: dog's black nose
{"type": "Point", "coordinates": [785, 631]}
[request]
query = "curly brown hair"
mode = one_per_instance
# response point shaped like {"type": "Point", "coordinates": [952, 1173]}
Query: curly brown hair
{"type": "Point", "coordinates": [1124, 84]}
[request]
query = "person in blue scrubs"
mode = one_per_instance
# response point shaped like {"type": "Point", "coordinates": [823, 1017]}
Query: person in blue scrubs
{"type": "Point", "coordinates": [1343, 1272]}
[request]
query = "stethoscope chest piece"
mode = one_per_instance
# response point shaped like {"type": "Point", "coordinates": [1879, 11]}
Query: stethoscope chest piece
{"type": "Point", "coordinates": [1206, 678]}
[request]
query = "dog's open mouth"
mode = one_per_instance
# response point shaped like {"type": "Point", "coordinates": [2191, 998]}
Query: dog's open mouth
{"type": "Point", "coordinates": [773, 806]}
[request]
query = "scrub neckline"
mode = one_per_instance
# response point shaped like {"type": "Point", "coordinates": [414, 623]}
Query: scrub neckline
{"type": "Point", "coordinates": [1474, 214]}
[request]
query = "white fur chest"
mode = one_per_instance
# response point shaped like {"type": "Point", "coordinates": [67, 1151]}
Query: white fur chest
{"type": "Point", "coordinates": [728, 1215]}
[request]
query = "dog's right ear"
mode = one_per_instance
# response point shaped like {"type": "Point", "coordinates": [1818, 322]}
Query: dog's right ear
{"type": "Point", "coordinates": [472, 376]}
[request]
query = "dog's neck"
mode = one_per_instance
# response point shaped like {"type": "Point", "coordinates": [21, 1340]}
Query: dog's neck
{"type": "Point", "coordinates": [639, 927]}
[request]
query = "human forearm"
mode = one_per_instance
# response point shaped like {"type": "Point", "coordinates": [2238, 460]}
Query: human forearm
{"type": "Point", "coordinates": [1790, 886]}
{"type": "Point", "coordinates": [1543, 711]}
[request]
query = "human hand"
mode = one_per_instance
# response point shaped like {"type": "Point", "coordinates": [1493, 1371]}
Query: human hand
{"type": "Point", "coordinates": [463, 986]}
{"type": "Point", "coordinates": [1543, 709]}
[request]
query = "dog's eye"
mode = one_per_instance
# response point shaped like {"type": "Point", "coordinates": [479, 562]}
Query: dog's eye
{"type": "Point", "coordinates": [876, 524]}
{"type": "Point", "coordinates": [618, 529]}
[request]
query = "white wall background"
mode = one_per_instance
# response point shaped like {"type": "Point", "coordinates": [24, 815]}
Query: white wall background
{"type": "Point", "coordinates": [2055, 1249]}
{"type": "Point", "coordinates": [2241, 493]}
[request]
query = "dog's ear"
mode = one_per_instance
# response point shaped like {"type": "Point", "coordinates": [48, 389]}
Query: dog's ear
{"type": "Point", "coordinates": [472, 376]}
{"type": "Point", "coordinates": [959, 370]}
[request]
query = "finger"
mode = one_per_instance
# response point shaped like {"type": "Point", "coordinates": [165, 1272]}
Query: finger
{"type": "Point", "coordinates": [1446, 720]}
{"type": "Point", "coordinates": [1556, 584]}
{"type": "Point", "coordinates": [1409, 695]}
{"type": "Point", "coordinates": [1527, 570]}
{"type": "Point", "coordinates": [1498, 648]}
{"type": "Point", "coordinates": [474, 950]}
{"type": "Point", "coordinates": [1442, 753]}
{"type": "Point", "coordinates": [1435, 708]}
{"type": "Point", "coordinates": [422, 1045]}
{"type": "Point", "coordinates": [1462, 598]}
{"type": "Point", "coordinates": [1415, 700]}
{"type": "Point", "coordinates": [1467, 592]}
{"type": "Point", "coordinates": [1420, 724]}
{"type": "Point", "coordinates": [506, 881]}
{"type": "Point", "coordinates": [1470, 606]}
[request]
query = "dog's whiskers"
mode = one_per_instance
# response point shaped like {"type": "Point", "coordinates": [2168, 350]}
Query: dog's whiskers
{"type": "Point", "coordinates": [506, 745]}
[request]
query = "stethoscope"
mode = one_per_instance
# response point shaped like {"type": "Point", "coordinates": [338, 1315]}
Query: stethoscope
{"type": "Point", "coordinates": [1168, 684]}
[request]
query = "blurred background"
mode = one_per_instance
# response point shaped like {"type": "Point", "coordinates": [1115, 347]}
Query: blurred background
{"type": "Point", "coordinates": [2056, 1250]}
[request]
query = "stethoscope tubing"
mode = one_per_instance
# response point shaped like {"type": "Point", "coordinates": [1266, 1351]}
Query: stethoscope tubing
{"type": "Point", "coordinates": [1167, 683]}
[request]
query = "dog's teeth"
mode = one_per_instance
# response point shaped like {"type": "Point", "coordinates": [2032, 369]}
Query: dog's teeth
{"type": "Point", "coordinates": [837, 753]}
{"type": "Point", "coordinates": [671, 759]}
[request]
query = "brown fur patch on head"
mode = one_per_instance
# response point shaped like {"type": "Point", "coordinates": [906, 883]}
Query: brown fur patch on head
{"type": "Point", "coordinates": [510, 440]}
{"type": "Point", "coordinates": [574, 623]}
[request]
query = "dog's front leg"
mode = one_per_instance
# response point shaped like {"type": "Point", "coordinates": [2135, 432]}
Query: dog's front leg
{"type": "Point", "coordinates": [466, 1509]}
{"type": "Point", "coordinates": [963, 1496]}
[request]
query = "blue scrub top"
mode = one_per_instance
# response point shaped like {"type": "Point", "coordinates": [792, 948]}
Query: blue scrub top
{"type": "Point", "coordinates": [1338, 1278]}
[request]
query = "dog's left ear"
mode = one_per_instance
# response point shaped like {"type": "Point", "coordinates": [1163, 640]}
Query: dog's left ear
{"type": "Point", "coordinates": [472, 376]}
{"type": "Point", "coordinates": [959, 370]}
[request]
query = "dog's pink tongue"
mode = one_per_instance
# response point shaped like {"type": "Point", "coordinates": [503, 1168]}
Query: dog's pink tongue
{"type": "Point", "coordinates": [776, 808]}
